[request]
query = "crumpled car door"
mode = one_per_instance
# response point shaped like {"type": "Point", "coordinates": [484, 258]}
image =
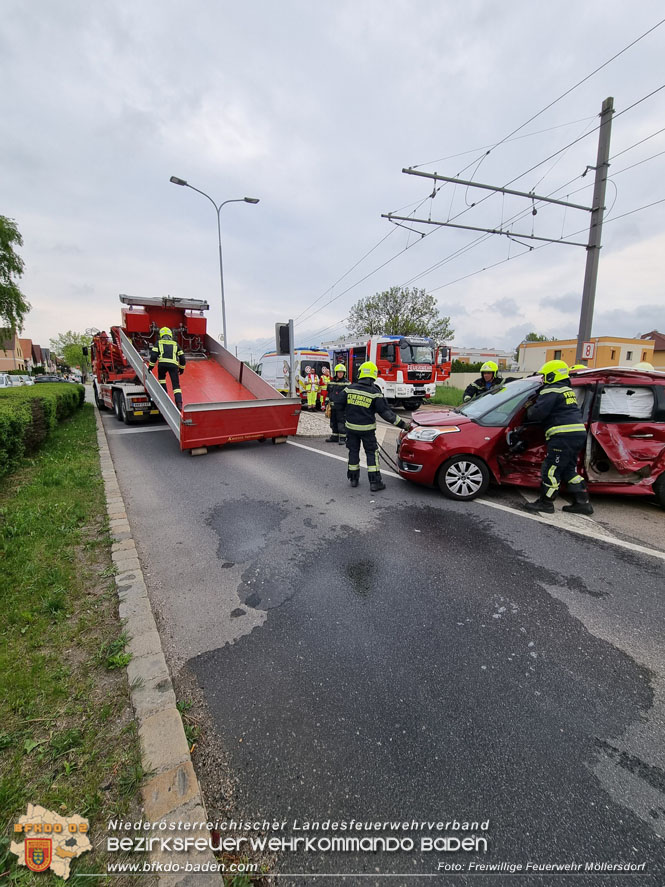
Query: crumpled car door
{"type": "Point", "coordinates": [629, 428]}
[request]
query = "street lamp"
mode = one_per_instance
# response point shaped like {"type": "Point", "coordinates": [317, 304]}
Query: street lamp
{"type": "Point", "coordinates": [177, 181]}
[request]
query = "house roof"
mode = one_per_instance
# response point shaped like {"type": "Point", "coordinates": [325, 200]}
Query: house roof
{"type": "Point", "coordinates": [658, 338]}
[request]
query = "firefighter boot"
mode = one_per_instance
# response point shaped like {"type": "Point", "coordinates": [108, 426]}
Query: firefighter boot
{"type": "Point", "coordinates": [342, 440]}
{"type": "Point", "coordinates": [354, 477]}
{"type": "Point", "coordinates": [543, 503]}
{"type": "Point", "coordinates": [334, 438]}
{"type": "Point", "coordinates": [376, 484]}
{"type": "Point", "coordinates": [581, 504]}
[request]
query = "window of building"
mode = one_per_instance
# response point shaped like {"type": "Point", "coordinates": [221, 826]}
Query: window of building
{"type": "Point", "coordinates": [629, 355]}
{"type": "Point", "coordinates": [644, 355]}
{"type": "Point", "coordinates": [612, 354]}
{"type": "Point", "coordinates": [557, 355]}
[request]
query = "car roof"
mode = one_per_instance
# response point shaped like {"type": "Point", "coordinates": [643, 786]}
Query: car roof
{"type": "Point", "coordinates": [617, 375]}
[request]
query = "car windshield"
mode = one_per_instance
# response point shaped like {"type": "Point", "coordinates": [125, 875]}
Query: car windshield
{"type": "Point", "coordinates": [498, 406]}
{"type": "Point", "coordinates": [411, 353]}
{"type": "Point", "coordinates": [316, 365]}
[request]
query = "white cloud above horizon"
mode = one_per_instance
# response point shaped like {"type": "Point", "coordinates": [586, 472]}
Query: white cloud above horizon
{"type": "Point", "coordinates": [315, 109]}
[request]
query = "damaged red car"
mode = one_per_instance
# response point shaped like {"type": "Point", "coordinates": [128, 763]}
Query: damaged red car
{"type": "Point", "coordinates": [488, 440]}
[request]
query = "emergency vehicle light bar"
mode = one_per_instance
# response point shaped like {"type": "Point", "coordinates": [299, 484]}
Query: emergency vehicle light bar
{"type": "Point", "coordinates": [164, 302]}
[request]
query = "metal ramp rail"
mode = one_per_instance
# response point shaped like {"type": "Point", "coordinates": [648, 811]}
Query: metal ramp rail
{"type": "Point", "coordinates": [166, 406]}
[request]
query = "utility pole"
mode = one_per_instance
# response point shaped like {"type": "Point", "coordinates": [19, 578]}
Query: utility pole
{"type": "Point", "coordinates": [596, 211]}
{"type": "Point", "coordinates": [596, 227]}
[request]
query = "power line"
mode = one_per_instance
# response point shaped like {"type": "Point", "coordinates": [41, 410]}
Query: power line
{"type": "Point", "coordinates": [641, 142]}
{"type": "Point", "coordinates": [572, 88]}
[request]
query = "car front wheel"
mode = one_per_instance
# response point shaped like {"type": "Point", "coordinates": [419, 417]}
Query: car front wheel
{"type": "Point", "coordinates": [659, 489]}
{"type": "Point", "coordinates": [463, 478]}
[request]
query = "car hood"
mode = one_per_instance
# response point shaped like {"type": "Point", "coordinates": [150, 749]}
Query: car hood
{"type": "Point", "coordinates": [439, 417]}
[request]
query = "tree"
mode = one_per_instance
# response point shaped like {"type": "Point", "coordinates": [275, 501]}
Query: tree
{"type": "Point", "coordinates": [69, 346]}
{"type": "Point", "coordinates": [536, 337]}
{"type": "Point", "coordinates": [13, 304]}
{"type": "Point", "coordinates": [407, 312]}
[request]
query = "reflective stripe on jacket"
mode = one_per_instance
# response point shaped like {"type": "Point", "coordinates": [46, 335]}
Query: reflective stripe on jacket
{"type": "Point", "coordinates": [360, 402]}
{"type": "Point", "coordinates": [557, 411]}
{"type": "Point", "coordinates": [166, 351]}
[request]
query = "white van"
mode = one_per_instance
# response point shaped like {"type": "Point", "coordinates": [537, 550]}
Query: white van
{"type": "Point", "coordinates": [6, 381]}
{"type": "Point", "coordinates": [274, 368]}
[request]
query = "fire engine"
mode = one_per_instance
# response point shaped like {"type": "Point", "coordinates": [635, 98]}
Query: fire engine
{"type": "Point", "coordinates": [409, 366]}
{"type": "Point", "coordinates": [224, 400]}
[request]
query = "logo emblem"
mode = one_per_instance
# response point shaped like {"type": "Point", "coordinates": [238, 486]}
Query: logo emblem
{"type": "Point", "coordinates": [38, 853]}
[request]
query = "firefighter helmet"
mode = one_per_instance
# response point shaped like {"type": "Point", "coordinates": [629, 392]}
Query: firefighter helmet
{"type": "Point", "coordinates": [554, 371]}
{"type": "Point", "coordinates": [489, 367]}
{"type": "Point", "coordinates": [340, 368]}
{"type": "Point", "coordinates": [165, 333]}
{"type": "Point", "coordinates": [644, 365]}
{"type": "Point", "coordinates": [578, 366]}
{"type": "Point", "coordinates": [368, 370]}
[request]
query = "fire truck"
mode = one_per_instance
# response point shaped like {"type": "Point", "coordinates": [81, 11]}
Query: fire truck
{"type": "Point", "coordinates": [224, 400]}
{"type": "Point", "coordinates": [409, 366]}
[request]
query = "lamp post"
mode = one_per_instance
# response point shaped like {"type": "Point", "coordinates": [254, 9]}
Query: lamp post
{"type": "Point", "coordinates": [177, 181]}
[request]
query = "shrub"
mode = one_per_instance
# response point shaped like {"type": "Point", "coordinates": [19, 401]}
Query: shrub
{"type": "Point", "coordinates": [28, 414]}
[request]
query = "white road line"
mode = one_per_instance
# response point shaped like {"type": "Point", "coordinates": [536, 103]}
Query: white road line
{"type": "Point", "coordinates": [139, 430]}
{"type": "Point", "coordinates": [557, 520]}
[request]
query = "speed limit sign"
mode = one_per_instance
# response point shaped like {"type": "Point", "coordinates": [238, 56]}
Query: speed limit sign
{"type": "Point", "coordinates": [588, 349]}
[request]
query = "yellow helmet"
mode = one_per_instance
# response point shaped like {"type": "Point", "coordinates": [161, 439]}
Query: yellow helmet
{"type": "Point", "coordinates": [368, 370]}
{"type": "Point", "coordinates": [340, 368]}
{"type": "Point", "coordinates": [554, 371]}
{"type": "Point", "coordinates": [165, 332]}
{"type": "Point", "coordinates": [578, 366]}
{"type": "Point", "coordinates": [489, 367]}
{"type": "Point", "coordinates": [644, 365]}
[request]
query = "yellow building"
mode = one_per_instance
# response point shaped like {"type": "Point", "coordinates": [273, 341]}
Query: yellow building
{"type": "Point", "coordinates": [608, 351]}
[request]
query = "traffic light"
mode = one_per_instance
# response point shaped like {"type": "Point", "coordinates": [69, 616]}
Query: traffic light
{"type": "Point", "coordinates": [282, 343]}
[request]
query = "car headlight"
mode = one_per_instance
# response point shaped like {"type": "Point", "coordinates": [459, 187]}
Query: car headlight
{"type": "Point", "coordinates": [430, 434]}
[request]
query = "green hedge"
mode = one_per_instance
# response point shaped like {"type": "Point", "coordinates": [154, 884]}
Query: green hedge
{"type": "Point", "coordinates": [29, 413]}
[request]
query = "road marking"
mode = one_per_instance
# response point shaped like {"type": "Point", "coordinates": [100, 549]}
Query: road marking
{"type": "Point", "coordinates": [344, 459]}
{"type": "Point", "coordinates": [139, 430]}
{"type": "Point", "coordinates": [556, 520]}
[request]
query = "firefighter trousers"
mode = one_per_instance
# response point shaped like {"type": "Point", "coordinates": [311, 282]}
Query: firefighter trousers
{"type": "Point", "coordinates": [174, 374]}
{"type": "Point", "coordinates": [368, 440]}
{"type": "Point", "coordinates": [560, 465]}
{"type": "Point", "coordinates": [336, 422]}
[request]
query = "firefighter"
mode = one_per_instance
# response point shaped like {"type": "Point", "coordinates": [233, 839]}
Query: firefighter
{"type": "Point", "coordinates": [576, 367]}
{"type": "Point", "coordinates": [336, 388]}
{"type": "Point", "coordinates": [359, 403]}
{"type": "Point", "coordinates": [170, 361]}
{"type": "Point", "coordinates": [557, 411]}
{"type": "Point", "coordinates": [489, 378]}
{"type": "Point", "coordinates": [311, 387]}
{"type": "Point", "coordinates": [324, 381]}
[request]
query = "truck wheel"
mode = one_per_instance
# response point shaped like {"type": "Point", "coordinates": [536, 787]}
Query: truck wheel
{"type": "Point", "coordinates": [413, 404]}
{"type": "Point", "coordinates": [123, 410]}
{"type": "Point", "coordinates": [116, 405]}
{"type": "Point", "coordinates": [463, 478]}
{"type": "Point", "coordinates": [659, 489]}
{"type": "Point", "coordinates": [99, 403]}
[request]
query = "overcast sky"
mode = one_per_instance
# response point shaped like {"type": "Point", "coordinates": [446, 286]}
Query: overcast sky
{"type": "Point", "coordinates": [315, 108]}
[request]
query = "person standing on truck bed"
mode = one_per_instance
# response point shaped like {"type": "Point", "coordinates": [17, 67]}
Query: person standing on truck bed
{"type": "Point", "coordinates": [360, 402]}
{"type": "Point", "coordinates": [170, 361]}
{"type": "Point", "coordinates": [336, 388]}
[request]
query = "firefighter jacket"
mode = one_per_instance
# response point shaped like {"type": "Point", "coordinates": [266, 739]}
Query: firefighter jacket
{"type": "Point", "coordinates": [480, 386]}
{"type": "Point", "coordinates": [556, 410]}
{"type": "Point", "coordinates": [167, 352]}
{"type": "Point", "coordinates": [360, 402]}
{"type": "Point", "coordinates": [336, 390]}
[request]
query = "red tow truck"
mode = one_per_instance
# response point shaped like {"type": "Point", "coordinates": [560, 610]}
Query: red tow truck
{"type": "Point", "coordinates": [224, 401]}
{"type": "Point", "coordinates": [409, 366]}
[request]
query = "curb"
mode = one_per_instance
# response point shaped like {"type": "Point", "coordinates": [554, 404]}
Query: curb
{"type": "Point", "coordinates": [172, 793]}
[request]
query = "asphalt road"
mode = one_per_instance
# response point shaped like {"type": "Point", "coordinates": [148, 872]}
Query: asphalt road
{"type": "Point", "coordinates": [401, 656]}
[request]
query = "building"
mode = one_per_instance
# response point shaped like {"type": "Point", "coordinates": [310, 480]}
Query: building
{"type": "Point", "coordinates": [26, 348]}
{"type": "Point", "coordinates": [658, 348]}
{"type": "Point", "coordinates": [11, 354]}
{"type": "Point", "coordinates": [608, 351]}
{"type": "Point", "coordinates": [504, 359]}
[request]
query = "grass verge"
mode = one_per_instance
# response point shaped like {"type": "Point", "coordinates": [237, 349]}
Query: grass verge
{"type": "Point", "coordinates": [67, 735]}
{"type": "Point", "coordinates": [451, 397]}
